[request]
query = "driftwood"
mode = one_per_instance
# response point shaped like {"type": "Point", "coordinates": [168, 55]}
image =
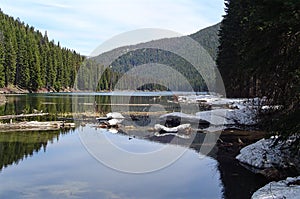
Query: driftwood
{"type": "Point", "coordinates": [35, 126]}
{"type": "Point", "coordinates": [7, 117]}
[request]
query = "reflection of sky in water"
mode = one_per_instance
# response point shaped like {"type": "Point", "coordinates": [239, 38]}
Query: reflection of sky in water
{"type": "Point", "coordinates": [67, 170]}
{"type": "Point", "coordinates": [131, 145]}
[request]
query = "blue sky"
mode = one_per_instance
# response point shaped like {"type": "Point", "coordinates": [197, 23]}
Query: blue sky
{"type": "Point", "coordinates": [83, 25]}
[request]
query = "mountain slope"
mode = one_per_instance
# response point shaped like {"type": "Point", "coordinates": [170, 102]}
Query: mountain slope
{"type": "Point", "coordinates": [209, 39]}
{"type": "Point", "coordinates": [162, 51]}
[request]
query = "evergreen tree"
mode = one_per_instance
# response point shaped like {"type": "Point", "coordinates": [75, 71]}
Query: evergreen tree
{"type": "Point", "coordinates": [2, 76]}
{"type": "Point", "coordinates": [29, 60]}
{"type": "Point", "coordinates": [9, 61]}
{"type": "Point", "coordinates": [259, 56]}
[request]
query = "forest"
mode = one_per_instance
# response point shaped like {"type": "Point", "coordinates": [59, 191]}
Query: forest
{"type": "Point", "coordinates": [143, 53]}
{"type": "Point", "coordinates": [30, 61]}
{"type": "Point", "coordinates": [259, 57]}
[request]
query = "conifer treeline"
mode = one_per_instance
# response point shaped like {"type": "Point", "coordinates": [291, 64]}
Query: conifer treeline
{"type": "Point", "coordinates": [30, 61]}
{"type": "Point", "coordinates": [259, 55]}
{"type": "Point", "coordinates": [259, 49]}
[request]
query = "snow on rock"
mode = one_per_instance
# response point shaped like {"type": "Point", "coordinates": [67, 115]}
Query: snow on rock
{"type": "Point", "coordinates": [115, 115]}
{"type": "Point", "coordinates": [114, 122]}
{"type": "Point", "coordinates": [288, 189]}
{"type": "Point", "coordinates": [219, 117]}
{"type": "Point", "coordinates": [261, 154]}
{"type": "Point", "coordinates": [215, 117]}
{"type": "Point", "coordinates": [115, 118]}
{"type": "Point", "coordinates": [268, 153]}
{"type": "Point", "coordinates": [181, 127]}
{"type": "Point", "coordinates": [224, 111]}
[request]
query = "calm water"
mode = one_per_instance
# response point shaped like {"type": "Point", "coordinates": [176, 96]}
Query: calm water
{"type": "Point", "coordinates": [57, 164]}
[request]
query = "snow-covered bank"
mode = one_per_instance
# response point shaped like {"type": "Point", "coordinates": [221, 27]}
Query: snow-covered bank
{"type": "Point", "coordinates": [289, 189]}
{"type": "Point", "coordinates": [224, 112]}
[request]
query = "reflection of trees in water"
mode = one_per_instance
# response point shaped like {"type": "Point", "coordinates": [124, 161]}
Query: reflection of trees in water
{"type": "Point", "coordinates": [127, 103]}
{"type": "Point", "coordinates": [59, 105]}
{"type": "Point", "coordinates": [237, 181]}
{"type": "Point", "coordinates": [15, 146]}
{"type": "Point", "coordinates": [33, 103]}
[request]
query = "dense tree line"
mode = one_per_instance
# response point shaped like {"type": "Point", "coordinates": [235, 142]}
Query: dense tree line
{"type": "Point", "coordinates": [30, 61]}
{"type": "Point", "coordinates": [259, 55]}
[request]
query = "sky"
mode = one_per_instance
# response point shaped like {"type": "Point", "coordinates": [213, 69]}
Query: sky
{"type": "Point", "coordinates": [83, 25]}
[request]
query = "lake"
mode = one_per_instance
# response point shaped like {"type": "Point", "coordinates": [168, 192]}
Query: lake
{"type": "Point", "coordinates": [76, 163]}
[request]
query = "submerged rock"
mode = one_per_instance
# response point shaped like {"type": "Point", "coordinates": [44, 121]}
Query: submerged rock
{"type": "Point", "coordinates": [288, 189]}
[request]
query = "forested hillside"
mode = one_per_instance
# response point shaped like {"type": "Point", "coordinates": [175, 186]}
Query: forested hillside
{"type": "Point", "coordinates": [209, 39]}
{"type": "Point", "coordinates": [259, 56]}
{"type": "Point", "coordinates": [146, 53]}
{"type": "Point", "coordinates": [30, 61]}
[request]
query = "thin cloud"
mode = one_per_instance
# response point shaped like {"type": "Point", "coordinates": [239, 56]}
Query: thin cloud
{"type": "Point", "coordinates": [94, 21]}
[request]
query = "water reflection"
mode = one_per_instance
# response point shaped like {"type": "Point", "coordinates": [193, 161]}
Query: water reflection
{"type": "Point", "coordinates": [67, 170]}
{"type": "Point", "coordinates": [236, 181]}
{"type": "Point", "coordinates": [60, 167]}
{"type": "Point", "coordinates": [16, 146]}
{"type": "Point", "coordinates": [64, 105]}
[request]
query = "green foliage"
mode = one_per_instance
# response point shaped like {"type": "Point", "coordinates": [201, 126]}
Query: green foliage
{"type": "Point", "coordinates": [259, 55]}
{"type": "Point", "coordinates": [148, 56]}
{"type": "Point", "coordinates": [30, 61]}
{"type": "Point", "coordinates": [2, 76]}
{"type": "Point", "coordinates": [209, 39]}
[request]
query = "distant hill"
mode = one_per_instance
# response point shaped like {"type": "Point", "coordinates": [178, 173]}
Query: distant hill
{"type": "Point", "coordinates": [151, 52]}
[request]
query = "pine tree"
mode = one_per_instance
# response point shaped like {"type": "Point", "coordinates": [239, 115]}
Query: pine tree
{"type": "Point", "coordinates": [9, 61]}
{"type": "Point", "coordinates": [22, 69]}
{"type": "Point", "coordinates": [2, 76]}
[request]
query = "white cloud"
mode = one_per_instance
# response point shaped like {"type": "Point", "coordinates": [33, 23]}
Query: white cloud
{"type": "Point", "coordinates": [91, 22]}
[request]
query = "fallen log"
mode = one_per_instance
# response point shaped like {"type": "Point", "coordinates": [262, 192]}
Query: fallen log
{"type": "Point", "coordinates": [7, 117]}
{"type": "Point", "coordinates": [35, 126]}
